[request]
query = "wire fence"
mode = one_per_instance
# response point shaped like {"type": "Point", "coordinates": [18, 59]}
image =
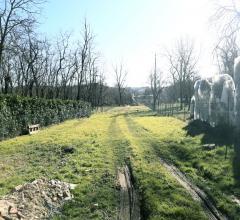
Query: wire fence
{"type": "Point", "coordinates": [174, 110]}
{"type": "Point", "coordinates": [215, 113]}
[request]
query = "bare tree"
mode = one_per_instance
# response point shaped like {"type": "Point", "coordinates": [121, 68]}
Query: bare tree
{"type": "Point", "coordinates": [226, 51]}
{"type": "Point", "coordinates": [182, 67]}
{"type": "Point", "coordinates": [226, 18]}
{"type": "Point", "coordinates": [120, 78]}
{"type": "Point", "coordinates": [34, 66]}
{"type": "Point", "coordinates": [61, 62]}
{"type": "Point", "coordinates": [85, 47]}
{"type": "Point", "coordinates": [156, 84]}
{"type": "Point", "coordinates": [101, 90]}
{"type": "Point", "coordinates": [14, 15]}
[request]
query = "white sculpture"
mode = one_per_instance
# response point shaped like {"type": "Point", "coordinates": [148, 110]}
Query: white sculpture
{"type": "Point", "coordinates": [221, 103]}
{"type": "Point", "coordinates": [217, 99]}
{"type": "Point", "coordinates": [204, 91]}
{"type": "Point", "coordinates": [192, 107]}
{"type": "Point", "coordinates": [214, 100]}
{"type": "Point", "coordinates": [237, 93]}
{"type": "Point", "coordinates": [196, 99]}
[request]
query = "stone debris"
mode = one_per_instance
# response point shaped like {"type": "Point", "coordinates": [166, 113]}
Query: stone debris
{"type": "Point", "coordinates": [37, 200]}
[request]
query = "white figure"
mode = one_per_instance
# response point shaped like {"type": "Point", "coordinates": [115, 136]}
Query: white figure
{"type": "Point", "coordinates": [192, 107]}
{"type": "Point", "coordinates": [204, 92]}
{"type": "Point", "coordinates": [221, 103]}
{"type": "Point", "coordinates": [196, 99]}
{"type": "Point", "coordinates": [237, 93]}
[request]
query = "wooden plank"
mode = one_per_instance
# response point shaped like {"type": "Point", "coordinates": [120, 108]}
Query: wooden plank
{"type": "Point", "coordinates": [32, 129]}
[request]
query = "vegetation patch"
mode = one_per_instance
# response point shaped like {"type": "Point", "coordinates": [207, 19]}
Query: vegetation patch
{"type": "Point", "coordinates": [17, 112]}
{"type": "Point", "coordinates": [213, 171]}
{"type": "Point", "coordinates": [162, 197]}
{"type": "Point", "coordinates": [88, 152]}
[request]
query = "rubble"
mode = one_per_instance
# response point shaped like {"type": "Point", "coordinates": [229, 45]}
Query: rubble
{"type": "Point", "coordinates": [39, 199]}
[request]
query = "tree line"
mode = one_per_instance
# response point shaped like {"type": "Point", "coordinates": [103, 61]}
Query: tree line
{"type": "Point", "coordinates": [181, 75]}
{"type": "Point", "coordinates": [35, 66]}
{"type": "Point", "coordinates": [182, 59]}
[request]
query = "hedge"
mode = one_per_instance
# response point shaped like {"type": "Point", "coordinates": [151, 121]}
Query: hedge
{"type": "Point", "coordinates": [17, 112]}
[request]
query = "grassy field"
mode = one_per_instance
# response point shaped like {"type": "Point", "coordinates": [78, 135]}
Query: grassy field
{"type": "Point", "coordinates": [108, 140]}
{"type": "Point", "coordinates": [209, 169]}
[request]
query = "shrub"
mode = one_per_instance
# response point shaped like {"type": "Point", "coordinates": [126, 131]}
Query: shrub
{"type": "Point", "coordinates": [17, 112]}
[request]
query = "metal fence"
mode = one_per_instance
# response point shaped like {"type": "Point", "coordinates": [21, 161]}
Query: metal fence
{"type": "Point", "coordinates": [174, 110]}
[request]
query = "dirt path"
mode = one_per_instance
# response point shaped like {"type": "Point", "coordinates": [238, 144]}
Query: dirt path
{"type": "Point", "coordinates": [195, 192]}
{"type": "Point", "coordinates": [129, 203]}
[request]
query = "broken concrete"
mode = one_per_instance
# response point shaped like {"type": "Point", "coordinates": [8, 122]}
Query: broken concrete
{"type": "Point", "coordinates": [39, 199]}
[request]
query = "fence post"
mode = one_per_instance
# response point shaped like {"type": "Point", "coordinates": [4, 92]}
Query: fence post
{"type": "Point", "coordinates": [228, 111]}
{"type": "Point", "coordinates": [167, 109]}
{"type": "Point", "coordinates": [184, 112]}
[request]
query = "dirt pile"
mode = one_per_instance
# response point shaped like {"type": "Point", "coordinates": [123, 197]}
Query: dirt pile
{"type": "Point", "coordinates": [37, 200]}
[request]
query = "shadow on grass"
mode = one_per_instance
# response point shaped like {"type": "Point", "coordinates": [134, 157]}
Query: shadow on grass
{"type": "Point", "coordinates": [220, 135]}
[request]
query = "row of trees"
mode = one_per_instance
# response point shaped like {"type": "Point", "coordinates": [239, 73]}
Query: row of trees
{"type": "Point", "coordinates": [182, 74]}
{"type": "Point", "coordinates": [182, 59]}
{"type": "Point", "coordinates": [32, 65]}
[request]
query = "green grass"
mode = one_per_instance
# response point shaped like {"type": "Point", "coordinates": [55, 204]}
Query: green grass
{"type": "Point", "coordinates": [162, 196]}
{"type": "Point", "coordinates": [99, 151]}
{"type": "Point", "coordinates": [109, 140]}
{"type": "Point", "coordinates": [92, 166]}
{"type": "Point", "coordinates": [208, 169]}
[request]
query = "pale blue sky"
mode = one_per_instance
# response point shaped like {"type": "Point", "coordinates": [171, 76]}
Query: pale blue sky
{"type": "Point", "coordinates": [132, 30]}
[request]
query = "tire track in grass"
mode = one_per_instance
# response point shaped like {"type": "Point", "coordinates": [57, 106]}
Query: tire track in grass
{"type": "Point", "coordinates": [197, 194]}
{"type": "Point", "coordinates": [128, 198]}
{"type": "Point", "coordinates": [162, 197]}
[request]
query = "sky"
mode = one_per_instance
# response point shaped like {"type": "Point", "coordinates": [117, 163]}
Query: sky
{"type": "Point", "coordinates": [132, 31]}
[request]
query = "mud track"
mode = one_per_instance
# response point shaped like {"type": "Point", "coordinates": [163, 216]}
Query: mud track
{"type": "Point", "coordinates": [212, 212]}
{"type": "Point", "coordinates": [129, 202]}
